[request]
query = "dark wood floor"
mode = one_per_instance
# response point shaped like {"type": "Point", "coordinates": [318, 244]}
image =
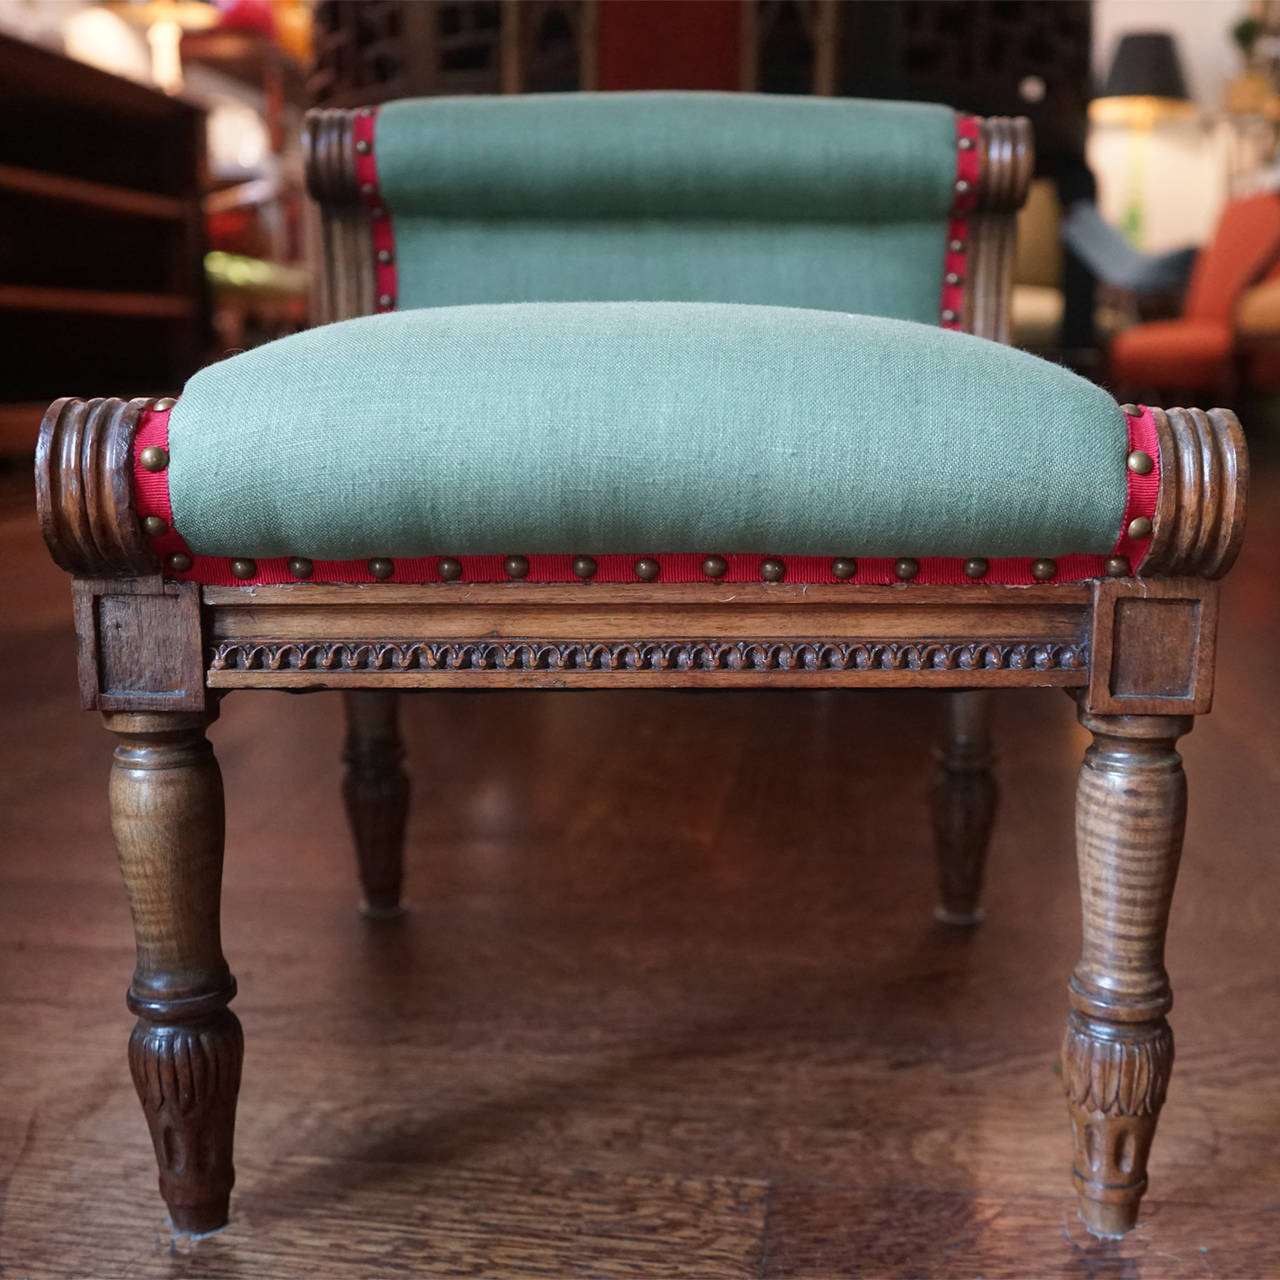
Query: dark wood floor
{"type": "Point", "coordinates": [669, 1002]}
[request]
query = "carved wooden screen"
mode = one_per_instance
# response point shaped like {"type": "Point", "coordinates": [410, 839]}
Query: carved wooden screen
{"type": "Point", "coordinates": [370, 51]}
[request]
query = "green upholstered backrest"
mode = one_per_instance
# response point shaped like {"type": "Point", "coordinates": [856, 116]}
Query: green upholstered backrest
{"type": "Point", "coordinates": [644, 428]}
{"type": "Point", "coordinates": [835, 204]}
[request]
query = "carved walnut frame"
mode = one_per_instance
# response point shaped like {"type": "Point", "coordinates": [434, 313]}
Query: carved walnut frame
{"type": "Point", "coordinates": [156, 656]}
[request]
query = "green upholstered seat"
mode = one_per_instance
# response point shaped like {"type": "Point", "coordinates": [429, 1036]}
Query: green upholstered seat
{"type": "Point", "coordinates": [568, 428]}
{"type": "Point", "coordinates": [695, 197]}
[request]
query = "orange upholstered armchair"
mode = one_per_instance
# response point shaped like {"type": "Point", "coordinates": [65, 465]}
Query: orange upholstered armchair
{"type": "Point", "coordinates": [1199, 351]}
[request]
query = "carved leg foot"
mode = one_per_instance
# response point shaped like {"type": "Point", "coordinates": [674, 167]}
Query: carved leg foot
{"type": "Point", "coordinates": [1118, 1051]}
{"type": "Point", "coordinates": [188, 1077]}
{"type": "Point", "coordinates": [376, 792]}
{"type": "Point", "coordinates": [964, 806]}
{"type": "Point", "coordinates": [186, 1050]}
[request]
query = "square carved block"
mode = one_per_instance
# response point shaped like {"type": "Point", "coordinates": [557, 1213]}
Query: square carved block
{"type": "Point", "coordinates": [1152, 647]}
{"type": "Point", "coordinates": [139, 645]}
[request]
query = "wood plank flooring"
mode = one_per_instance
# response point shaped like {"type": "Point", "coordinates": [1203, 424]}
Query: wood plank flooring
{"type": "Point", "coordinates": [669, 1001]}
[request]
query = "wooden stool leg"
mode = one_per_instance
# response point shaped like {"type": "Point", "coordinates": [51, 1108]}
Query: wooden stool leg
{"type": "Point", "coordinates": [376, 791]}
{"type": "Point", "coordinates": [964, 805]}
{"type": "Point", "coordinates": [1118, 1051]}
{"type": "Point", "coordinates": [187, 1047]}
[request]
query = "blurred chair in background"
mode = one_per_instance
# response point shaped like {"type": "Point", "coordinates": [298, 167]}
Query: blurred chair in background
{"type": "Point", "coordinates": [1199, 351]}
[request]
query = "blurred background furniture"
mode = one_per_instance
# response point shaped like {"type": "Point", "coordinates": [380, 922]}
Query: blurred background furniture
{"type": "Point", "coordinates": [100, 244]}
{"type": "Point", "coordinates": [1198, 351]}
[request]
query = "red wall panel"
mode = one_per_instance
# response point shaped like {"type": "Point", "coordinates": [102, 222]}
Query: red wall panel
{"type": "Point", "coordinates": [669, 44]}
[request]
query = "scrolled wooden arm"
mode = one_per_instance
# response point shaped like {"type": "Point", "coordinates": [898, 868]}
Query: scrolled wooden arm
{"type": "Point", "coordinates": [1204, 479]}
{"type": "Point", "coordinates": [84, 487]}
{"type": "Point", "coordinates": [1007, 160]}
{"type": "Point", "coordinates": [329, 155]}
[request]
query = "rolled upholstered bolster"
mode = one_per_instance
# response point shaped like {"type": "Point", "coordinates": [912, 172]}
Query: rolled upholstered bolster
{"type": "Point", "coordinates": [664, 155]}
{"type": "Point", "coordinates": [641, 428]}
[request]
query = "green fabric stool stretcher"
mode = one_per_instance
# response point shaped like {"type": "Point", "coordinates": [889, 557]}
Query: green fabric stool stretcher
{"type": "Point", "coordinates": [565, 430]}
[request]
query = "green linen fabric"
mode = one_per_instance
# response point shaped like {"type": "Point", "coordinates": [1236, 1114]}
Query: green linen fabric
{"type": "Point", "coordinates": [830, 266]}
{"type": "Point", "coordinates": [657, 155]}
{"type": "Point", "coordinates": [642, 427]}
{"type": "Point", "coordinates": [815, 202]}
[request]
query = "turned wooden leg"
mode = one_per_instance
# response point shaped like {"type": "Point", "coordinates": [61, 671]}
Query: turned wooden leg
{"type": "Point", "coordinates": [1118, 1051]}
{"type": "Point", "coordinates": [186, 1050]}
{"type": "Point", "coordinates": [376, 791]}
{"type": "Point", "coordinates": [964, 805]}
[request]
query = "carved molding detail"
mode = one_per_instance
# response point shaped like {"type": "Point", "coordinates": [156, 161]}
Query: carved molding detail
{"type": "Point", "coordinates": [646, 655]}
{"type": "Point", "coordinates": [179, 1070]}
{"type": "Point", "coordinates": [187, 1078]}
{"type": "Point", "coordinates": [1116, 1076]}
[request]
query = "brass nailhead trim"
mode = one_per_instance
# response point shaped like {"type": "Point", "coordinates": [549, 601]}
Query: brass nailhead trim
{"type": "Point", "coordinates": [154, 458]}
{"type": "Point", "coordinates": [1043, 570]}
{"type": "Point", "coordinates": [154, 527]}
{"type": "Point", "coordinates": [179, 562]}
{"type": "Point", "coordinates": [367, 112]}
{"type": "Point", "coordinates": [844, 569]}
{"type": "Point", "coordinates": [381, 568]}
{"type": "Point", "coordinates": [368, 189]}
{"type": "Point", "coordinates": [385, 256]}
{"type": "Point", "coordinates": [953, 277]}
{"type": "Point", "coordinates": [956, 245]}
{"type": "Point", "coordinates": [976, 567]}
{"type": "Point", "coordinates": [965, 143]}
{"type": "Point", "coordinates": [165, 402]}
{"type": "Point", "coordinates": [906, 568]}
{"type": "Point", "coordinates": [1118, 567]}
{"type": "Point", "coordinates": [363, 147]}
{"type": "Point", "coordinates": [449, 569]}
{"type": "Point", "coordinates": [515, 566]}
{"type": "Point", "coordinates": [584, 567]}
{"type": "Point", "coordinates": [647, 569]}
{"type": "Point", "coordinates": [386, 300]}
{"type": "Point", "coordinates": [301, 567]}
{"type": "Point", "coordinates": [1139, 528]}
{"type": "Point", "coordinates": [1140, 463]}
{"type": "Point", "coordinates": [377, 212]}
{"type": "Point", "coordinates": [773, 570]}
{"type": "Point", "coordinates": [962, 186]}
{"type": "Point", "coordinates": [715, 566]}
{"type": "Point", "coordinates": [244, 568]}
{"type": "Point", "coordinates": [949, 316]}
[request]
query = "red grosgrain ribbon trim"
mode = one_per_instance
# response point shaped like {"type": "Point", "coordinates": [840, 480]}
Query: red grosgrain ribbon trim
{"type": "Point", "coordinates": [955, 260]}
{"type": "Point", "coordinates": [152, 490]}
{"type": "Point", "coordinates": [676, 567]}
{"type": "Point", "coordinates": [364, 133]}
{"type": "Point", "coordinates": [1143, 490]}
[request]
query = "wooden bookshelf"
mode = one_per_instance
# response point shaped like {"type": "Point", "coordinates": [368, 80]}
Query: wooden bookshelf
{"type": "Point", "coordinates": [95, 302]}
{"type": "Point", "coordinates": [92, 195]}
{"type": "Point", "coordinates": [101, 237]}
